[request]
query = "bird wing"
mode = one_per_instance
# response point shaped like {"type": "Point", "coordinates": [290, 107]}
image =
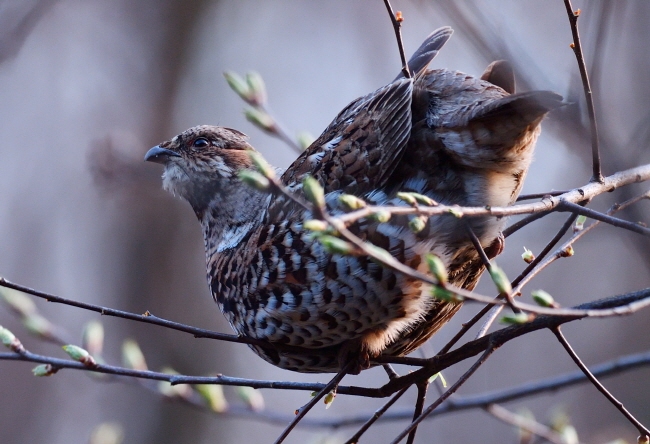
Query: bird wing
{"type": "Point", "coordinates": [360, 148]}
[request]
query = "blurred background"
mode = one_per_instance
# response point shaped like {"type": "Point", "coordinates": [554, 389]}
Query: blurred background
{"type": "Point", "coordinates": [87, 87]}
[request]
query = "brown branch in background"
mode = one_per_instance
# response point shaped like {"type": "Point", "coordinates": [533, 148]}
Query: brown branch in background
{"type": "Point", "coordinates": [619, 405]}
{"type": "Point", "coordinates": [453, 389]}
{"type": "Point", "coordinates": [300, 413]}
{"type": "Point", "coordinates": [377, 415]}
{"type": "Point", "coordinates": [396, 20]}
{"type": "Point", "coordinates": [577, 50]}
{"type": "Point", "coordinates": [422, 386]}
{"type": "Point", "coordinates": [524, 423]}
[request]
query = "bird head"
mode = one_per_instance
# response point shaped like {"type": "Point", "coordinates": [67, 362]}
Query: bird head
{"type": "Point", "coordinates": [201, 161]}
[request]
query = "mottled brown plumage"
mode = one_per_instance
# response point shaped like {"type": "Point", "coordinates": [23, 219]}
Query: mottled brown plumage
{"type": "Point", "coordinates": [453, 137]}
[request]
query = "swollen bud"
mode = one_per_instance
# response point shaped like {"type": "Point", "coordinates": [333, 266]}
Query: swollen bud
{"type": "Point", "coordinates": [352, 202]}
{"type": "Point", "coordinates": [381, 216]}
{"type": "Point", "coordinates": [238, 85]}
{"type": "Point", "coordinates": [260, 119]}
{"type": "Point", "coordinates": [445, 295]}
{"type": "Point", "coordinates": [580, 223]}
{"type": "Point", "coordinates": [329, 399]}
{"type": "Point", "coordinates": [315, 225]}
{"type": "Point", "coordinates": [313, 191]}
{"type": "Point", "coordinates": [262, 165]}
{"type": "Point", "coordinates": [407, 197]}
{"type": "Point", "coordinates": [254, 179]}
{"type": "Point", "coordinates": [213, 394]}
{"type": "Point", "coordinates": [518, 318]}
{"type": "Point", "coordinates": [253, 398]}
{"type": "Point", "coordinates": [543, 298]}
{"type": "Point", "coordinates": [500, 279]}
{"type": "Point", "coordinates": [10, 341]}
{"type": "Point", "coordinates": [80, 355]}
{"type": "Point", "coordinates": [257, 90]}
{"type": "Point", "coordinates": [567, 252]}
{"type": "Point", "coordinates": [527, 256]}
{"type": "Point", "coordinates": [437, 268]}
{"type": "Point", "coordinates": [304, 139]}
{"type": "Point", "coordinates": [44, 370]}
{"type": "Point", "coordinates": [132, 356]}
{"type": "Point", "coordinates": [418, 223]}
{"type": "Point", "coordinates": [455, 212]}
{"type": "Point", "coordinates": [334, 245]}
{"type": "Point", "coordinates": [643, 439]}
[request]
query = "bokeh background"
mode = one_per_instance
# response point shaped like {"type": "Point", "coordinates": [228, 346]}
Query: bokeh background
{"type": "Point", "coordinates": [87, 87]}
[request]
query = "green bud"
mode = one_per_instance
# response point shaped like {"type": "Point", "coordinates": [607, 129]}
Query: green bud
{"type": "Point", "coordinates": [455, 212]}
{"type": "Point", "coordinates": [132, 356]}
{"type": "Point", "coordinates": [445, 295]}
{"type": "Point", "coordinates": [418, 223]}
{"type": "Point", "coordinates": [254, 179]}
{"type": "Point", "coordinates": [334, 245]}
{"type": "Point", "coordinates": [313, 191]}
{"type": "Point", "coordinates": [253, 398]}
{"type": "Point", "coordinates": [213, 394]}
{"type": "Point", "coordinates": [381, 216]}
{"type": "Point", "coordinates": [527, 256]}
{"type": "Point", "coordinates": [329, 399]}
{"type": "Point", "coordinates": [10, 341]}
{"type": "Point", "coordinates": [580, 223]}
{"type": "Point", "coordinates": [305, 139]}
{"type": "Point", "coordinates": [260, 119]}
{"type": "Point", "coordinates": [93, 337]}
{"type": "Point", "coordinates": [238, 85]}
{"type": "Point", "coordinates": [44, 370]}
{"type": "Point", "coordinates": [17, 301]}
{"type": "Point", "coordinates": [500, 279]}
{"type": "Point", "coordinates": [543, 299]}
{"type": "Point", "coordinates": [352, 202]}
{"type": "Point", "coordinates": [379, 252]}
{"type": "Point", "coordinates": [407, 197]}
{"type": "Point", "coordinates": [443, 381]}
{"type": "Point", "coordinates": [38, 325]}
{"type": "Point", "coordinates": [176, 390]}
{"type": "Point", "coordinates": [517, 318]}
{"type": "Point", "coordinates": [257, 90]}
{"type": "Point", "coordinates": [425, 200]}
{"type": "Point", "coordinates": [79, 355]}
{"type": "Point", "coordinates": [437, 268]}
{"type": "Point", "coordinates": [315, 225]}
{"type": "Point", "coordinates": [262, 165]}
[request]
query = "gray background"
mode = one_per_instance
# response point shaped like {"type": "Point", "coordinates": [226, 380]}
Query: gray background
{"type": "Point", "coordinates": [88, 86]}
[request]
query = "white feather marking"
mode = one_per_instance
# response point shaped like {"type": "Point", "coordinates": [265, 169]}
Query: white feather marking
{"type": "Point", "coordinates": [232, 236]}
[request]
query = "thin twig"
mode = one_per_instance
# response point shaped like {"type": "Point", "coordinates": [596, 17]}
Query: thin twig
{"type": "Point", "coordinates": [376, 416]}
{"type": "Point", "coordinates": [614, 221]}
{"type": "Point", "coordinates": [489, 350]}
{"type": "Point", "coordinates": [397, 27]}
{"type": "Point", "coordinates": [422, 386]}
{"type": "Point", "coordinates": [601, 388]}
{"type": "Point", "coordinates": [540, 195]}
{"type": "Point", "coordinates": [577, 50]}
{"type": "Point", "coordinates": [307, 407]}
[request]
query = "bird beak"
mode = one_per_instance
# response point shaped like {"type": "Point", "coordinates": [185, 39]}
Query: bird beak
{"type": "Point", "coordinates": [159, 155]}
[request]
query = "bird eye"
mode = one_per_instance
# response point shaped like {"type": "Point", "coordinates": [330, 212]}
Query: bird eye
{"type": "Point", "coordinates": [201, 142]}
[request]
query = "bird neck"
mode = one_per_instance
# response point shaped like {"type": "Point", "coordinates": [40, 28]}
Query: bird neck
{"type": "Point", "coordinates": [233, 211]}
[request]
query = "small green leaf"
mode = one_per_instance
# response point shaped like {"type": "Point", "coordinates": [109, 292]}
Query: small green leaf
{"type": "Point", "coordinates": [543, 299]}
{"type": "Point", "coordinates": [381, 216]}
{"type": "Point", "coordinates": [256, 88]}
{"type": "Point", "coordinates": [445, 295]}
{"type": "Point", "coordinates": [455, 212]}
{"type": "Point", "coordinates": [443, 381]}
{"type": "Point", "coordinates": [254, 179]}
{"type": "Point", "coordinates": [527, 256]}
{"type": "Point", "coordinates": [260, 119]}
{"type": "Point", "coordinates": [313, 191]}
{"type": "Point", "coordinates": [517, 318]}
{"type": "Point", "coordinates": [437, 268]}
{"type": "Point", "coordinates": [352, 202]}
{"type": "Point", "coordinates": [315, 225]}
{"type": "Point", "coordinates": [580, 223]}
{"type": "Point", "coordinates": [238, 85]}
{"type": "Point", "coordinates": [418, 223]}
{"type": "Point", "coordinates": [329, 399]}
{"type": "Point", "coordinates": [500, 279]}
{"type": "Point", "coordinates": [407, 197]}
{"type": "Point", "coordinates": [44, 370]}
{"type": "Point", "coordinates": [79, 355]}
{"type": "Point", "coordinates": [252, 397]}
{"type": "Point", "coordinates": [334, 245]}
{"type": "Point", "coordinates": [10, 341]}
{"type": "Point", "coordinates": [213, 394]}
{"type": "Point", "coordinates": [132, 356]}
